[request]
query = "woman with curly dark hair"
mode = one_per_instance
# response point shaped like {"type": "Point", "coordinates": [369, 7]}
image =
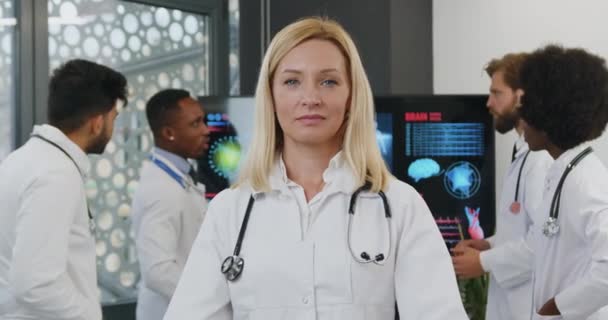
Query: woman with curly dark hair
{"type": "Point", "coordinates": [564, 107]}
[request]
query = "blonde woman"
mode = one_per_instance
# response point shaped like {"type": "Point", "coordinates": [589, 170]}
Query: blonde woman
{"type": "Point", "coordinates": [317, 228]}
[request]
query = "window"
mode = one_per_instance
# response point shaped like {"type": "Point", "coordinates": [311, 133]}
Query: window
{"type": "Point", "coordinates": [155, 48]}
{"type": "Point", "coordinates": [7, 77]}
{"type": "Point", "coordinates": [233, 59]}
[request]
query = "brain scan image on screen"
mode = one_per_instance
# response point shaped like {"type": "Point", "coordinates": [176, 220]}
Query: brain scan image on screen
{"type": "Point", "coordinates": [384, 137]}
{"type": "Point", "coordinates": [462, 180]}
{"type": "Point", "coordinates": [423, 169]}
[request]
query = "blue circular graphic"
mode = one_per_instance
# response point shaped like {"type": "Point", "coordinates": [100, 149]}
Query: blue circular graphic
{"type": "Point", "coordinates": [462, 180]}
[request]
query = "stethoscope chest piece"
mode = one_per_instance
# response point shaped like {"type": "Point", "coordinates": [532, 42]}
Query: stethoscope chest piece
{"type": "Point", "coordinates": [551, 227]}
{"type": "Point", "coordinates": [232, 267]}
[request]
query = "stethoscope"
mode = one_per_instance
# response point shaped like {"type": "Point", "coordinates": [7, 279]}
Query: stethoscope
{"type": "Point", "coordinates": [516, 206]}
{"type": "Point", "coordinates": [551, 227]}
{"type": "Point", "coordinates": [183, 181]}
{"type": "Point", "coordinates": [91, 221]}
{"type": "Point", "coordinates": [233, 265]}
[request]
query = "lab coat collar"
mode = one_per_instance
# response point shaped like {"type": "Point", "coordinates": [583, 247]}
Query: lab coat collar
{"type": "Point", "coordinates": [178, 162]}
{"type": "Point", "coordinates": [560, 164]}
{"type": "Point", "coordinates": [521, 146]}
{"type": "Point", "coordinates": [168, 163]}
{"type": "Point", "coordinates": [57, 136]}
{"type": "Point", "coordinates": [338, 176]}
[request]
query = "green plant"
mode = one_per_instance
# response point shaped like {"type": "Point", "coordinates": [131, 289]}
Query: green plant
{"type": "Point", "coordinates": [474, 293]}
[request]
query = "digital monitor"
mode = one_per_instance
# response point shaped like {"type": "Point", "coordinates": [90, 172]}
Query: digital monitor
{"type": "Point", "coordinates": [443, 146]}
{"type": "Point", "coordinates": [229, 120]}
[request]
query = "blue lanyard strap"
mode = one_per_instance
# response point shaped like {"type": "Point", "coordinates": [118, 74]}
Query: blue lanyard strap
{"type": "Point", "coordinates": [163, 166]}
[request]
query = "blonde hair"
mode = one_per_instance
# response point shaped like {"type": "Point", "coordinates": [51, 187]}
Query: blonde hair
{"type": "Point", "coordinates": [359, 146]}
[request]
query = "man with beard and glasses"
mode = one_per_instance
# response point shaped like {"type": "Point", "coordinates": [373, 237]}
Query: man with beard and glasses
{"type": "Point", "coordinates": [505, 255]}
{"type": "Point", "coordinates": [47, 248]}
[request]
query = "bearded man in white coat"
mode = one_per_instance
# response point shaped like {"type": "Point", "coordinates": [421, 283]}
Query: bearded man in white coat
{"type": "Point", "coordinates": [47, 248]}
{"type": "Point", "coordinates": [505, 255]}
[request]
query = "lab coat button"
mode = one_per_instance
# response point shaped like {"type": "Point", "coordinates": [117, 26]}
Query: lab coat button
{"type": "Point", "coordinates": [305, 300]}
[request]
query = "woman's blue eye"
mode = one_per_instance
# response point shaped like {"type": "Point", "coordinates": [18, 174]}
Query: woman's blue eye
{"type": "Point", "coordinates": [291, 82]}
{"type": "Point", "coordinates": [329, 83]}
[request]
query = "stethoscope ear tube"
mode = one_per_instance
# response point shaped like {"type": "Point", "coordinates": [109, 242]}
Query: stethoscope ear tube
{"type": "Point", "coordinates": [551, 227]}
{"type": "Point", "coordinates": [353, 198]}
{"type": "Point", "coordinates": [232, 267]}
{"type": "Point", "coordinates": [364, 257]}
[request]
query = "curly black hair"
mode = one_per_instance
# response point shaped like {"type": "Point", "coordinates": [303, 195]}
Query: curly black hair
{"type": "Point", "coordinates": [566, 94]}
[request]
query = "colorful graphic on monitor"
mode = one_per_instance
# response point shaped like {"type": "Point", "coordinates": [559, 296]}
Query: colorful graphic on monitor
{"type": "Point", "coordinates": [462, 180]}
{"type": "Point", "coordinates": [475, 230]}
{"type": "Point", "coordinates": [384, 137]}
{"type": "Point", "coordinates": [218, 167]}
{"type": "Point", "coordinates": [225, 156]}
{"type": "Point", "coordinates": [423, 169]}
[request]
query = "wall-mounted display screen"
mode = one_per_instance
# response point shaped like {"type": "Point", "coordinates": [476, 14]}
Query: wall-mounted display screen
{"type": "Point", "coordinates": [229, 120]}
{"type": "Point", "coordinates": [441, 145]}
{"type": "Point", "coordinates": [444, 147]}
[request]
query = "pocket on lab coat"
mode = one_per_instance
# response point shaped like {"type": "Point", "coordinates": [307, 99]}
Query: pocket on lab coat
{"type": "Point", "coordinates": [275, 275]}
{"type": "Point", "coordinates": [373, 284]}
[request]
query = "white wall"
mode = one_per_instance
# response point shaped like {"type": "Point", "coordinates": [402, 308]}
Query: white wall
{"type": "Point", "coordinates": [469, 33]}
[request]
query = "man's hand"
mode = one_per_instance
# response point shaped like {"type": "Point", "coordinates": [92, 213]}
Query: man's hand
{"type": "Point", "coordinates": [549, 309]}
{"type": "Point", "coordinates": [480, 245]}
{"type": "Point", "coordinates": [467, 263]}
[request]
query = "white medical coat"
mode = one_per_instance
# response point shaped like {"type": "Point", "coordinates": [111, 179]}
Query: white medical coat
{"type": "Point", "coordinates": [573, 265]}
{"type": "Point", "coordinates": [47, 252]}
{"type": "Point", "coordinates": [297, 259]}
{"type": "Point", "coordinates": [166, 220]}
{"type": "Point", "coordinates": [510, 261]}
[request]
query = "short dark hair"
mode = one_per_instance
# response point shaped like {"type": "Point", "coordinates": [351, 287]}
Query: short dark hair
{"type": "Point", "coordinates": [510, 65]}
{"type": "Point", "coordinates": [566, 94]}
{"type": "Point", "coordinates": [159, 106]}
{"type": "Point", "coordinates": [80, 89]}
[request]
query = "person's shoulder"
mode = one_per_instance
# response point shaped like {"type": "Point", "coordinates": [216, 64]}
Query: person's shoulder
{"type": "Point", "coordinates": [36, 163]}
{"type": "Point", "coordinates": [542, 158]}
{"type": "Point", "coordinates": [591, 174]}
{"type": "Point", "coordinates": [399, 188]}
{"type": "Point", "coordinates": [402, 195]}
{"type": "Point", "coordinates": [230, 196]}
{"type": "Point", "coordinates": [153, 180]}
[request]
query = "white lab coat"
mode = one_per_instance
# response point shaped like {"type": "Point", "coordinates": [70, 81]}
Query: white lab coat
{"type": "Point", "coordinates": [47, 252]}
{"type": "Point", "coordinates": [573, 265]}
{"type": "Point", "coordinates": [509, 260]}
{"type": "Point", "coordinates": [297, 259]}
{"type": "Point", "coordinates": [166, 220]}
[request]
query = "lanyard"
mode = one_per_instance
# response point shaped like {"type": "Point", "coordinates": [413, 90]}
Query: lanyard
{"type": "Point", "coordinates": [179, 178]}
{"type": "Point", "coordinates": [163, 166]}
{"type": "Point", "coordinates": [91, 222]}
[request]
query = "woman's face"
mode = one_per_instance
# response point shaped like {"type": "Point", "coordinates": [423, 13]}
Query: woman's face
{"type": "Point", "coordinates": [311, 93]}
